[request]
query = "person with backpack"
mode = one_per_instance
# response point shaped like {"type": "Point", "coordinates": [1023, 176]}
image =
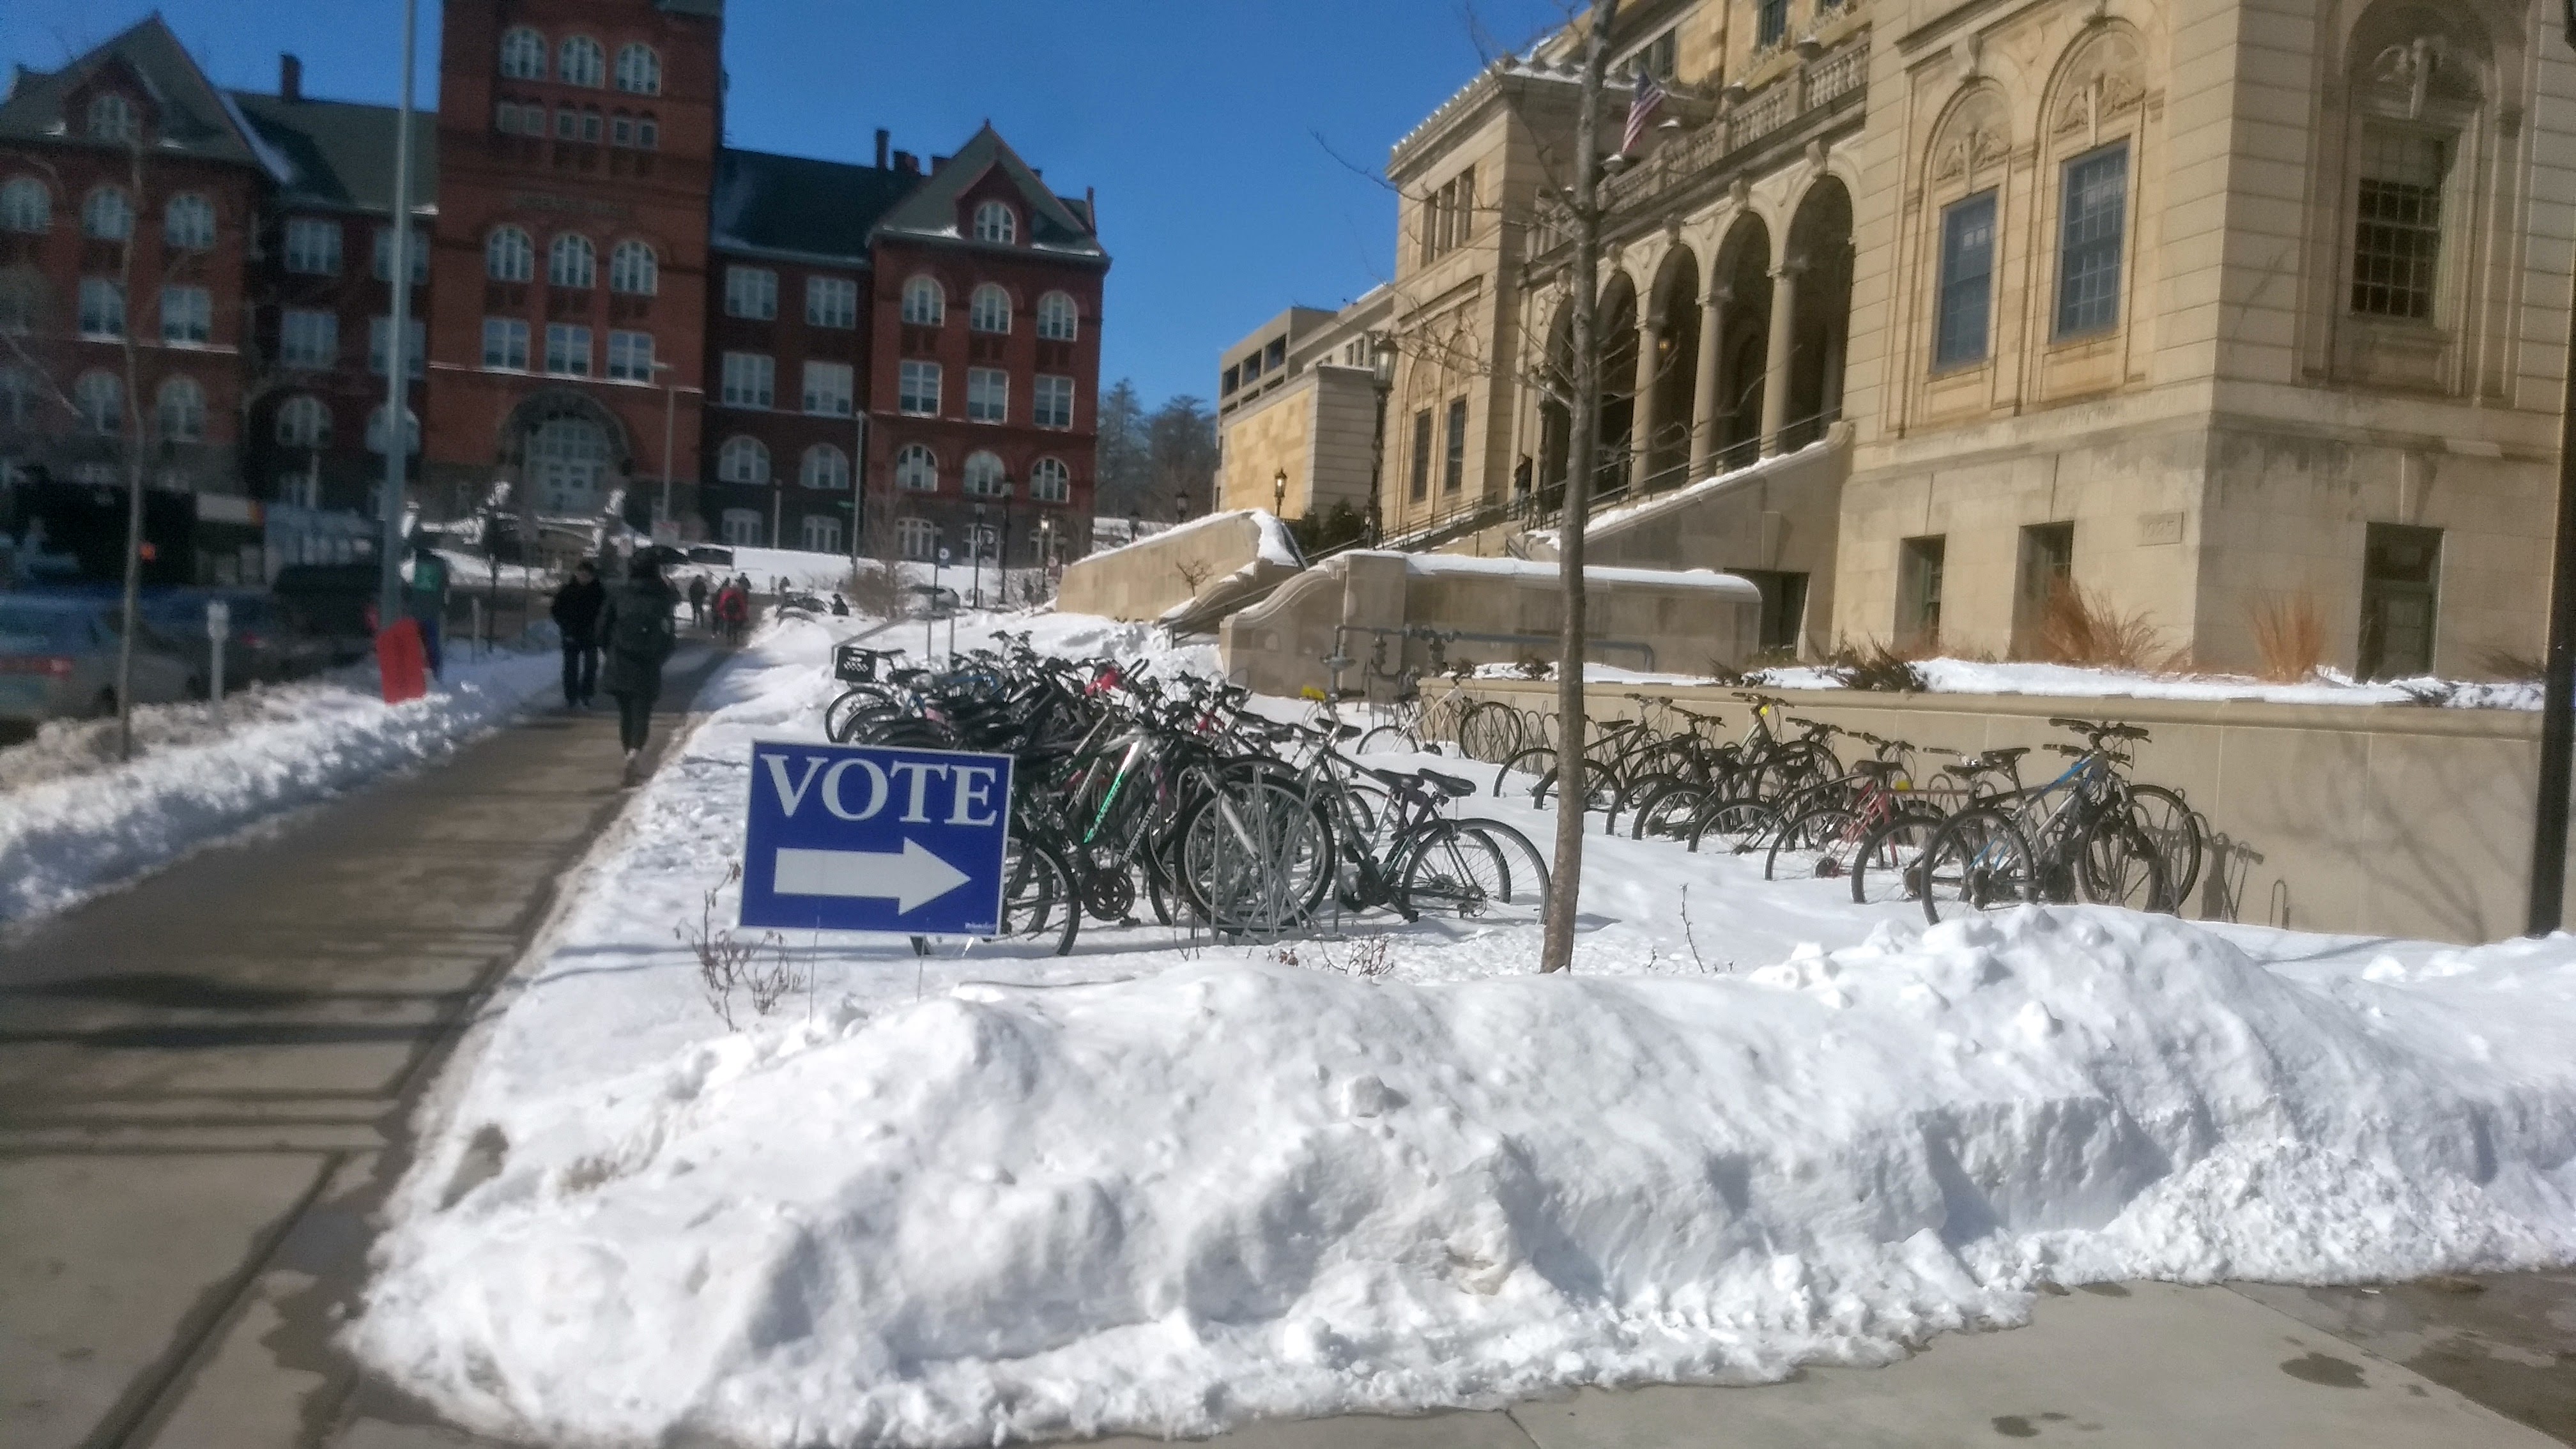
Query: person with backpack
{"type": "Point", "coordinates": [733, 611]}
{"type": "Point", "coordinates": [576, 614]}
{"type": "Point", "coordinates": [698, 602]}
{"type": "Point", "coordinates": [638, 628]}
{"type": "Point", "coordinates": [426, 602]}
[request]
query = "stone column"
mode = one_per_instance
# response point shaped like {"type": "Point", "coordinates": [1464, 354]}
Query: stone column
{"type": "Point", "coordinates": [1712, 326]}
{"type": "Point", "coordinates": [1775, 364]}
{"type": "Point", "coordinates": [1641, 418]}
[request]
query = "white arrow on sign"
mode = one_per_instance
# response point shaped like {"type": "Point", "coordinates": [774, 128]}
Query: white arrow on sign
{"type": "Point", "coordinates": [911, 880]}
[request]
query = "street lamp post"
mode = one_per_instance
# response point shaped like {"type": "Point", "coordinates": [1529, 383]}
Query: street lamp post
{"type": "Point", "coordinates": [975, 551]}
{"type": "Point", "coordinates": [1046, 547]}
{"type": "Point", "coordinates": [1279, 493]}
{"type": "Point", "coordinates": [397, 354]}
{"type": "Point", "coordinates": [1382, 369]}
{"type": "Point", "coordinates": [670, 417]}
{"type": "Point", "coordinates": [1002, 550]}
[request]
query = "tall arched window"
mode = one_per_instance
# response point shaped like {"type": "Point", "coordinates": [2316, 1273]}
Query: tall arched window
{"type": "Point", "coordinates": [523, 54]}
{"type": "Point", "coordinates": [106, 216]}
{"type": "Point", "coordinates": [112, 118]}
{"type": "Point", "coordinates": [181, 409]}
{"type": "Point", "coordinates": [376, 430]}
{"type": "Point", "coordinates": [989, 310]}
{"type": "Point", "coordinates": [509, 255]}
{"type": "Point", "coordinates": [100, 398]}
{"type": "Point", "coordinates": [572, 262]}
{"type": "Point", "coordinates": [639, 70]}
{"type": "Point", "coordinates": [916, 469]}
{"type": "Point", "coordinates": [25, 205]}
{"type": "Point", "coordinates": [582, 62]}
{"type": "Point", "coordinates": [742, 460]}
{"type": "Point", "coordinates": [1050, 481]}
{"type": "Point", "coordinates": [303, 422]}
{"type": "Point", "coordinates": [983, 475]}
{"type": "Point", "coordinates": [996, 222]}
{"type": "Point", "coordinates": [918, 538]}
{"type": "Point", "coordinates": [1058, 319]}
{"type": "Point", "coordinates": [634, 270]}
{"type": "Point", "coordinates": [924, 304]}
{"type": "Point", "coordinates": [825, 467]}
{"type": "Point", "coordinates": [188, 222]}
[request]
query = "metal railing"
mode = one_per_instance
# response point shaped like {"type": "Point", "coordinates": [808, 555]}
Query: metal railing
{"type": "Point", "coordinates": [1816, 85]}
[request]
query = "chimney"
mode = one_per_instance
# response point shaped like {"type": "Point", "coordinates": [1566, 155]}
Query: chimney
{"type": "Point", "coordinates": [290, 78]}
{"type": "Point", "coordinates": [938, 164]}
{"type": "Point", "coordinates": [883, 136]}
{"type": "Point", "coordinates": [907, 163]}
{"type": "Point", "coordinates": [1091, 207]}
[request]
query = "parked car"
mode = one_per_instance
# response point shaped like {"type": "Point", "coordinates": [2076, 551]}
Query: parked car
{"type": "Point", "coordinates": [258, 650]}
{"type": "Point", "coordinates": [937, 600]}
{"type": "Point", "coordinates": [58, 659]}
{"type": "Point", "coordinates": [328, 609]}
{"type": "Point", "coordinates": [708, 553]}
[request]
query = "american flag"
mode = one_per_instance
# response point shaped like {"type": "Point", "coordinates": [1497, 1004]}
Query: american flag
{"type": "Point", "coordinates": [1646, 98]}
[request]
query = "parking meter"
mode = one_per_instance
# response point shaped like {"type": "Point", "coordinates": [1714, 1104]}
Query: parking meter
{"type": "Point", "coordinates": [219, 627]}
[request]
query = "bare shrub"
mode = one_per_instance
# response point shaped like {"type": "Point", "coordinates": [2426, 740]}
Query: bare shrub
{"type": "Point", "coordinates": [874, 589]}
{"type": "Point", "coordinates": [760, 969]}
{"type": "Point", "coordinates": [1881, 667]}
{"type": "Point", "coordinates": [2511, 664]}
{"type": "Point", "coordinates": [2081, 626]}
{"type": "Point", "coordinates": [2289, 636]}
{"type": "Point", "coordinates": [1194, 572]}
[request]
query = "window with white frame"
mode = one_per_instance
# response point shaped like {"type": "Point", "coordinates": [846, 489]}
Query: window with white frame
{"type": "Point", "coordinates": [102, 307]}
{"type": "Point", "coordinates": [742, 460]}
{"type": "Point", "coordinates": [415, 350]}
{"type": "Point", "coordinates": [630, 356]}
{"type": "Point", "coordinates": [742, 527]}
{"type": "Point", "coordinates": [187, 316]}
{"type": "Point", "coordinates": [523, 54]}
{"type": "Point", "coordinates": [308, 339]}
{"type": "Point", "coordinates": [1054, 402]}
{"type": "Point", "coordinates": [634, 270]}
{"type": "Point", "coordinates": [582, 62]}
{"type": "Point", "coordinates": [376, 436]}
{"type": "Point", "coordinates": [828, 389]}
{"type": "Point", "coordinates": [820, 533]}
{"type": "Point", "coordinates": [983, 541]}
{"type": "Point", "coordinates": [303, 422]}
{"type": "Point", "coordinates": [831, 302]}
{"type": "Point", "coordinates": [1050, 481]}
{"type": "Point", "coordinates": [983, 475]}
{"type": "Point", "coordinates": [639, 70]}
{"type": "Point", "coordinates": [750, 380]}
{"type": "Point", "coordinates": [918, 538]}
{"type": "Point", "coordinates": [505, 344]}
{"type": "Point", "coordinates": [924, 303]}
{"type": "Point", "coordinates": [25, 205]}
{"type": "Point", "coordinates": [188, 222]}
{"type": "Point", "coordinates": [917, 389]}
{"type": "Point", "coordinates": [1058, 319]}
{"type": "Point", "coordinates": [312, 246]}
{"type": "Point", "coordinates": [751, 292]}
{"type": "Point", "coordinates": [179, 409]}
{"type": "Point", "coordinates": [509, 255]}
{"type": "Point", "coordinates": [988, 395]}
{"type": "Point", "coordinates": [996, 222]}
{"type": "Point", "coordinates": [916, 469]}
{"type": "Point", "coordinates": [572, 262]}
{"type": "Point", "coordinates": [824, 466]}
{"type": "Point", "coordinates": [106, 216]}
{"type": "Point", "coordinates": [99, 398]}
{"type": "Point", "coordinates": [112, 118]}
{"type": "Point", "coordinates": [417, 263]}
{"type": "Point", "coordinates": [989, 309]}
{"type": "Point", "coordinates": [567, 350]}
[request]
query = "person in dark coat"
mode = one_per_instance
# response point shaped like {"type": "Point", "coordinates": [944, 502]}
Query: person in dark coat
{"type": "Point", "coordinates": [638, 632]}
{"type": "Point", "coordinates": [698, 602]}
{"type": "Point", "coordinates": [576, 613]}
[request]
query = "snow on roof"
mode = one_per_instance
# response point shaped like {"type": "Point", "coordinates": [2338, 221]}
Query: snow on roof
{"type": "Point", "coordinates": [1710, 580]}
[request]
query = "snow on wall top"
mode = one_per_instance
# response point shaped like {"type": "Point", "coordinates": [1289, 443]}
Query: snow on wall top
{"type": "Point", "coordinates": [1707, 580]}
{"type": "Point", "coordinates": [1273, 542]}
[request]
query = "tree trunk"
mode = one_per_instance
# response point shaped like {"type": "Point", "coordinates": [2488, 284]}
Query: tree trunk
{"type": "Point", "coordinates": [1565, 886]}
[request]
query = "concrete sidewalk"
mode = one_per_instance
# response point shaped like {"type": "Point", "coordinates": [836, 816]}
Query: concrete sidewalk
{"type": "Point", "coordinates": [201, 1078]}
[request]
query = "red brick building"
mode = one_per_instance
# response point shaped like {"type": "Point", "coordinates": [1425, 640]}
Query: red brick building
{"type": "Point", "coordinates": [614, 310]}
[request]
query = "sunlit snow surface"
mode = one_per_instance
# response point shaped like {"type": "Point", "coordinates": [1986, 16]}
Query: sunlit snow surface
{"type": "Point", "coordinates": [1167, 1187]}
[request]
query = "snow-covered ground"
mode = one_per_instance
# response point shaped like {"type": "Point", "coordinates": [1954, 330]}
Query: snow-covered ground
{"type": "Point", "coordinates": [1166, 1185]}
{"type": "Point", "coordinates": [1972, 676]}
{"type": "Point", "coordinates": [74, 822]}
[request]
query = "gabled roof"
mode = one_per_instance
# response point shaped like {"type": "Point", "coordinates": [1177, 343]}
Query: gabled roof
{"type": "Point", "coordinates": [339, 154]}
{"type": "Point", "coordinates": [930, 212]}
{"type": "Point", "coordinates": [195, 118]}
{"type": "Point", "coordinates": [798, 208]}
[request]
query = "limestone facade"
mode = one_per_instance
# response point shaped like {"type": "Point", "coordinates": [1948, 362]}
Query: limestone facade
{"type": "Point", "coordinates": [1297, 411]}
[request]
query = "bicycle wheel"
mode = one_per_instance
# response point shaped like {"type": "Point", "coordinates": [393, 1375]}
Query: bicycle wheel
{"type": "Point", "coordinates": [840, 716]}
{"type": "Point", "coordinates": [1819, 844]}
{"type": "Point", "coordinates": [1387, 740]}
{"type": "Point", "coordinates": [1038, 898]}
{"type": "Point", "coordinates": [1490, 732]}
{"type": "Point", "coordinates": [1733, 827]}
{"type": "Point", "coordinates": [1452, 870]}
{"type": "Point", "coordinates": [1526, 865]}
{"type": "Point", "coordinates": [1535, 762]}
{"type": "Point", "coordinates": [1889, 865]}
{"type": "Point", "coordinates": [1978, 860]}
{"type": "Point", "coordinates": [1256, 855]}
{"type": "Point", "coordinates": [1668, 813]}
{"type": "Point", "coordinates": [2174, 828]}
{"type": "Point", "coordinates": [2119, 866]}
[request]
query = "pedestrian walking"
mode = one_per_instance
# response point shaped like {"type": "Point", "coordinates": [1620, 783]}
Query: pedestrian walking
{"type": "Point", "coordinates": [638, 630]}
{"type": "Point", "coordinates": [426, 601]}
{"type": "Point", "coordinates": [733, 611]}
{"type": "Point", "coordinates": [576, 613]}
{"type": "Point", "coordinates": [698, 602]}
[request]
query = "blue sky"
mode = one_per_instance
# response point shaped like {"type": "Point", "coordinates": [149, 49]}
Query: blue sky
{"type": "Point", "coordinates": [1229, 140]}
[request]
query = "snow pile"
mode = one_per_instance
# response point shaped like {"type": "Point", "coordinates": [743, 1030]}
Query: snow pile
{"type": "Point", "coordinates": [77, 833]}
{"type": "Point", "coordinates": [1170, 1203]}
{"type": "Point", "coordinates": [1970, 676]}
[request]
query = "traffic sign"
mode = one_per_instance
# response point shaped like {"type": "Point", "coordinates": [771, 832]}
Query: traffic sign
{"type": "Point", "coordinates": [871, 838]}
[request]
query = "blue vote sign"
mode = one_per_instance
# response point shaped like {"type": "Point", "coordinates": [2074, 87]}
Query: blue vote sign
{"type": "Point", "coordinates": [869, 838]}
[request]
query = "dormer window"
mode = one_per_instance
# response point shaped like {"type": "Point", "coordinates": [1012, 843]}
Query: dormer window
{"type": "Point", "coordinates": [996, 222]}
{"type": "Point", "coordinates": [112, 118]}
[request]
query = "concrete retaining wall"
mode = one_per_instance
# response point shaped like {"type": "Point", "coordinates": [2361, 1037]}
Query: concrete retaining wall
{"type": "Point", "coordinates": [1149, 578]}
{"type": "Point", "coordinates": [2379, 820]}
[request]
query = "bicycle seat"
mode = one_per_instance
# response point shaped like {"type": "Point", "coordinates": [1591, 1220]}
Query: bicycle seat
{"type": "Point", "coordinates": [1449, 785]}
{"type": "Point", "coordinates": [2005, 756]}
{"type": "Point", "coordinates": [1878, 769]}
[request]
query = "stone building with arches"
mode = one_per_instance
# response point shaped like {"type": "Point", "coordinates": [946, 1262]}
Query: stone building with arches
{"type": "Point", "coordinates": [1927, 312]}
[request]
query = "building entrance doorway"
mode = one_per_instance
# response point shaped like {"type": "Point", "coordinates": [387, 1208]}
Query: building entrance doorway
{"type": "Point", "coordinates": [568, 464]}
{"type": "Point", "coordinates": [2400, 578]}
